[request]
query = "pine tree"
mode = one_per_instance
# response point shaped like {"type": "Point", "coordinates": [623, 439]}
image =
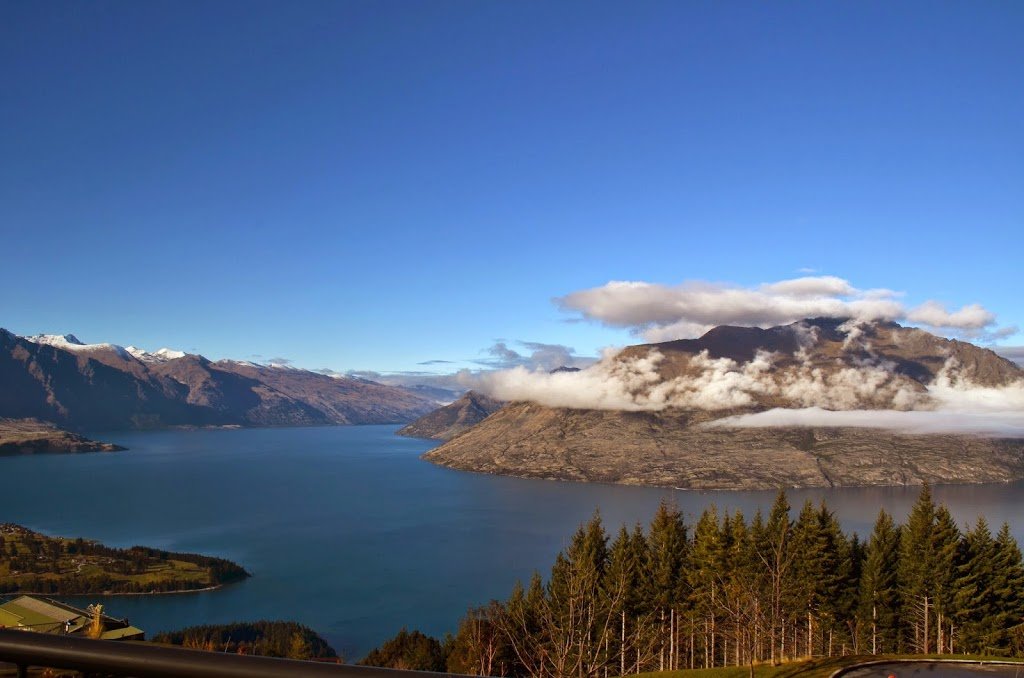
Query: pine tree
{"type": "Point", "coordinates": [704, 581]}
{"type": "Point", "coordinates": [976, 601]}
{"type": "Point", "coordinates": [879, 588]}
{"type": "Point", "coordinates": [1008, 556]}
{"type": "Point", "coordinates": [916, 571]}
{"type": "Point", "coordinates": [577, 618]}
{"type": "Point", "coordinates": [624, 574]}
{"type": "Point", "coordinates": [1010, 566]}
{"type": "Point", "coordinates": [945, 549]}
{"type": "Point", "coordinates": [742, 585]}
{"type": "Point", "coordinates": [772, 548]}
{"type": "Point", "coordinates": [809, 573]}
{"type": "Point", "coordinates": [667, 548]}
{"type": "Point", "coordinates": [834, 601]}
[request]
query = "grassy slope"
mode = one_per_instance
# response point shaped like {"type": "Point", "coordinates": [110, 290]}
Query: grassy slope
{"type": "Point", "coordinates": [814, 668]}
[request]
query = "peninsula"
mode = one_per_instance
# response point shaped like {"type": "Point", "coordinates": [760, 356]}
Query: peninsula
{"type": "Point", "coordinates": [31, 436]}
{"type": "Point", "coordinates": [31, 562]}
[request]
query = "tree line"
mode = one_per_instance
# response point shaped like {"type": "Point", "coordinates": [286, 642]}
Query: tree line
{"type": "Point", "coordinates": [264, 638]}
{"type": "Point", "coordinates": [733, 591]}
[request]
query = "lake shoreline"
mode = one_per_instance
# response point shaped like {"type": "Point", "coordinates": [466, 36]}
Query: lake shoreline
{"type": "Point", "coordinates": [347, 520]}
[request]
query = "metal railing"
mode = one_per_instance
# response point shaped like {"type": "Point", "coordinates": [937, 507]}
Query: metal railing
{"type": "Point", "coordinates": [26, 649]}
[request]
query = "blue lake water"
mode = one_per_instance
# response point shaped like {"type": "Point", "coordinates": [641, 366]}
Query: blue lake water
{"type": "Point", "coordinates": [347, 530]}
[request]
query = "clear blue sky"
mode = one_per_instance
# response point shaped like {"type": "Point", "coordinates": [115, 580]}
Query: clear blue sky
{"type": "Point", "coordinates": [374, 184]}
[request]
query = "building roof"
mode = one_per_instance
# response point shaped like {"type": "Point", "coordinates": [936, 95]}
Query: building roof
{"type": "Point", "coordinates": [8, 618]}
{"type": "Point", "coordinates": [127, 633]}
{"type": "Point", "coordinates": [38, 615]}
{"type": "Point", "coordinates": [52, 616]}
{"type": "Point", "coordinates": [51, 609]}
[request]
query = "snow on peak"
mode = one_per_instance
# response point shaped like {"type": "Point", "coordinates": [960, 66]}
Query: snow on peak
{"type": "Point", "coordinates": [70, 342]}
{"type": "Point", "coordinates": [243, 363]}
{"type": "Point", "coordinates": [160, 356]}
{"type": "Point", "coordinates": [60, 340]}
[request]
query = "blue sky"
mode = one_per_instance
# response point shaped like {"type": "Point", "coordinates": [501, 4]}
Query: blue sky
{"type": "Point", "coordinates": [367, 185]}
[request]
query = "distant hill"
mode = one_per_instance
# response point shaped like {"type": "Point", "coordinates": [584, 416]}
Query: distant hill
{"type": "Point", "coordinates": [865, 367]}
{"type": "Point", "coordinates": [58, 379]}
{"type": "Point", "coordinates": [449, 421]}
{"type": "Point", "coordinates": [30, 436]}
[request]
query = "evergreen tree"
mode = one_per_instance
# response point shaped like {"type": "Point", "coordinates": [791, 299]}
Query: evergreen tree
{"type": "Point", "coordinates": [411, 651]}
{"type": "Point", "coordinates": [945, 549]}
{"type": "Point", "coordinates": [704, 580]}
{"type": "Point", "coordinates": [833, 598]}
{"type": "Point", "coordinates": [740, 602]}
{"type": "Point", "coordinates": [917, 571]}
{"type": "Point", "coordinates": [577, 617]}
{"type": "Point", "coordinates": [976, 602]}
{"type": "Point", "coordinates": [809, 562]}
{"type": "Point", "coordinates": [667, 548]}
{"type": "Point", "coordinates": [879, 588]}
{"type": "Point", "coordinates": [773, 549]}
{"type": "Point", "coordinates": [1010, 585]}
{"type": "Point", "coordinates": [521, 623]}
{"type": "Point", "coordinates": [624, 585]}
{"type": "Point", "coordinates": [666, 558]}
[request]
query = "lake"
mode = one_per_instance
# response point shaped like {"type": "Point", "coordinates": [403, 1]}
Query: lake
{"type": "Point", "coordinates": [347, 530]}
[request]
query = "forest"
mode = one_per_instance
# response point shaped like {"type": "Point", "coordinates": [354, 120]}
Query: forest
{"type": "Point", "coordinates": [736, 591]}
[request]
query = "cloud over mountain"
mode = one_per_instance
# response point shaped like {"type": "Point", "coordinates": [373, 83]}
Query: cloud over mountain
{"type": "Point", "coordinates": [821, 372]}
{"type": "Point", "coordinates": [664, 313]}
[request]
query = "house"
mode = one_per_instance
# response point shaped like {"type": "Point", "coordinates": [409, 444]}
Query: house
{"type": "Point", "coordinates": [44, 615]}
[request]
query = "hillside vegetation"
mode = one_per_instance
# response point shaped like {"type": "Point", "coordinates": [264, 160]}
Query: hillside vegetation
{"type": "Point", "coordinates": [732, 591]}
{"type": "Point", "coordinates": [31, 562]}
{"type": "Point", "coordinates": [265, 638]}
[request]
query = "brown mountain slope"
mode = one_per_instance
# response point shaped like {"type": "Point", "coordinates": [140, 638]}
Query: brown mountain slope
{"type": "Point", "coordinates": [339, 401]}
{"type": "Point", "coordinates": [30, 436]}
{"type": "Point", "coordinates": [665, 449]}
{"type": "Point", "coordinates": [107, 388]}
{"type": "Point", "coordinates": [449, 421]}
{"type": "Point", "coordinates": [671, 447]}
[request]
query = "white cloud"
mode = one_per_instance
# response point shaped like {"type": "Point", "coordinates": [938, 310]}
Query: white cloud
{"type": "Point", "coordinates": [663, 313]}
{"type": "Point", "coordinates": [635, 383]}
{"type": "Point", "coordinates": [970, 317]}
{"type": "Point", "coordinates": [999, 424]}
{"type": "Point", "coordinates": [817, 286]}
{"type": "Point", "coordinates": [954, 406]}
{"type": "Point", "coordinates": [870, 393]}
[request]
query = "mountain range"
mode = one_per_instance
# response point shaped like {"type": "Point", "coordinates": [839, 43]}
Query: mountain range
{"type": "Point", "coordinates": [676, 414]}
{"type": "Point", "coordinates": [58, 379]}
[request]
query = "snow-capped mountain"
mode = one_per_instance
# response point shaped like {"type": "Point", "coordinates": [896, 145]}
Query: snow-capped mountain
{"type": "Point", "coordinates": [70, 342]}
{"type": "Point", "coordinates": [159, 356]}
{"type": "Point", "coordinates": [59, 378]}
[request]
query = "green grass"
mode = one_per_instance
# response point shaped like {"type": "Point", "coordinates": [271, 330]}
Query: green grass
{"type": "Point", "coordinates": [811, 668]}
